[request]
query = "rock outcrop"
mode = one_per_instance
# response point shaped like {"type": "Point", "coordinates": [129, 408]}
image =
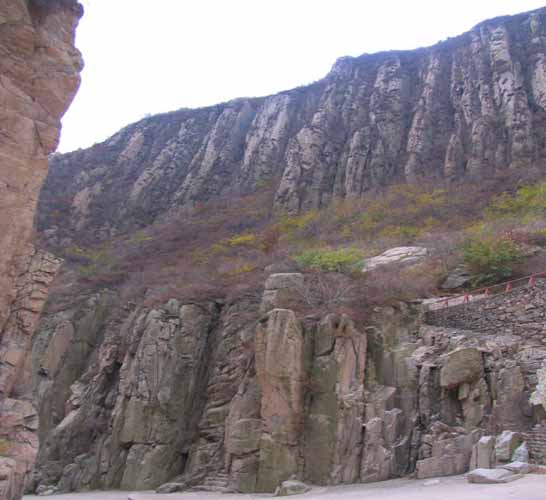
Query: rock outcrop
{"type": "Point", "coordinates": [243, 395]}
{"type": "Point", "coordinates": [474, 105]}
{"type": "Point", "coordinates": [244, 392]}
{"type": "Point", "coordinates": [39, 75]}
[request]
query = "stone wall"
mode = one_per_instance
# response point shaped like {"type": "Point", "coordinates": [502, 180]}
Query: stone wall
{"type": "Point", "coordinates": [536, 441]}
{"type": "Point", "coordinates": [521, 312]}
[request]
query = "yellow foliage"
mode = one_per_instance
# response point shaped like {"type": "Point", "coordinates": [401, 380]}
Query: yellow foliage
{"type": "Point", "coordinates": [400, 232]}
{"type": "Point", "coordinates": [242, 240]}
{"type": "Point", "coordinates": [242, 269]}
{"type": "Point", "coordinates": [289, 224]}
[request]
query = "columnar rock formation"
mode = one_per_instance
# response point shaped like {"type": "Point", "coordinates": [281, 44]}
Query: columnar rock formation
{"type": "Point", "coordinates": [243, 395]}
{"type": "Point", "coordinates": [470, 106]}
{"type": "Point", "coordinates": [39, 75]}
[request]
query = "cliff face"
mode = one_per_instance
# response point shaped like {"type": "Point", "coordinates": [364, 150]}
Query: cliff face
{"type": "Point", "coordinates": [469, 106]}
{"type": "Point", "coordinates": [241, 396]}
{"type": "Point", "coordinates": [234, 391]}
{"type": "Point", "coordinates": [39, 75]}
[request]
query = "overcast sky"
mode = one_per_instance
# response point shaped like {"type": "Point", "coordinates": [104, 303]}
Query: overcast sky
{"type": "Point", "coordinates": [147, 56]}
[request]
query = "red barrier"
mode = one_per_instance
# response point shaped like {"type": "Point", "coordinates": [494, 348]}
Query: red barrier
{"type": "Point", "coordinates": [504, 287]}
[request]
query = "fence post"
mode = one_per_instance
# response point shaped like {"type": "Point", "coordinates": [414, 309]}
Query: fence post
{"type": "Point", "coordinates": [508, 287]}
{"type": "Point", "coordinates": [531, 281]}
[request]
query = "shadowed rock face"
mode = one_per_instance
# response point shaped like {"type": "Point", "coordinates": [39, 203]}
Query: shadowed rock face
{"type": "Point", "coordinates": [468, 106]}
{"type": "Point", "coordinates": [39, 75]}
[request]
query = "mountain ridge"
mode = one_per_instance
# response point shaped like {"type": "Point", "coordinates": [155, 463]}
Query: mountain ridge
{"type": "Point", "coordinates": [469, 106]}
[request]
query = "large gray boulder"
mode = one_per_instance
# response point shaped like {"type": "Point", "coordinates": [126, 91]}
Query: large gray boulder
{"type": "Point", "coordinates": [291, 487]}
{"type": "Point", "coordinates": [518, 467]}
{"type": "Point", "coordinates": [521, 454]}
{"type": "Point", "coordinates": [506, 444]}
{"type": "Point", "coordinates": [173, 487]}
{"type": "Point", "coordinates": [406, 256]}
{"type": "Point", "coordinates": [461, 365]}
{"type": "Point", "coordinates": [483, 454]}
{"type": "Point", "coordinates": [491, 476]}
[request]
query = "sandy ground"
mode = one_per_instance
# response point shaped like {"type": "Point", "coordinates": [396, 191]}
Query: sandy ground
{"type": "Point", "coordinates": [530, 487]}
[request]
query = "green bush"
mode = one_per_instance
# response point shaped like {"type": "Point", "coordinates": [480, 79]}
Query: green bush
{"type": "Point", "coordinates": [338, 260]}
{"type": "Point", "coordinates": [490, 260]}
{"type": "Point", "coordinates": [527, 201]}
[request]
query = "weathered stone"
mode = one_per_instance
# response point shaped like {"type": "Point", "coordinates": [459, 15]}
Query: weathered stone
{"type": "Point", "coordinates": [291, 487]}
{"type": "Point", "coordinates": [483, 454]}
{"type": "Point", "coordinates": [518, 467]}
{"type": "Point", "coordinates": [521, 453]}
{"type": "Point", "coordinates": [280, 288]}
{"type": "Point", "coordinates": [470, 113]}
{"type": "Point", "coordinates": [403, 256]}
{"type": "Point", "coordinates": [280, 368]}
{"type": "Point", "coordinates": [461, 366]}
{"type": "Point", "coordinates": [491, 476]}
{"type": "Point", "coordinates": [445, 465]}
{"type": "Point", "coordinates": [457, 278]}
{"type": "Point", "coordinates": [333, 428]}
{"type": "Point", "coordinates": [506, 444]}
{"type": "Point", "coordinates": [171, 487]}
{"type": "Point", "coordinates": [39, 70]}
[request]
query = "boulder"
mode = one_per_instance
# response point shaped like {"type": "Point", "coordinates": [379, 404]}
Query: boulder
{"type": "Point", "coordinates": [171, 488]}
{"type": "Point", "coordinates": [457, 278]}
{"type": "Point", "coordinates": [521, 454]}
{"type": "Point", "coordinates": [483, 454]}
{"type": "Point", "coordinates": [280, 287]}
{"type": "Point", "coordinates": [398, 255]}
{"type": "Point", "coordinates": [461, 365]}
{"type": "Point", "coordinates": [437, 466]}
{"type": "Point", "coordinates": [506, 444]}
{"type": "Point", "coordinates": [491, 476]}
{"type": "Point", "coordinates": [291, 487]}
{"type": "Point", "coordinates": [518, 467]}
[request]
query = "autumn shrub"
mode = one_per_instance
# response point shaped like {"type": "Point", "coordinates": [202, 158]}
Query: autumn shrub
{"type": "Point", "coordinates": [490, 259]}
{"type": "Point", "coordinates": [325, 259]}
{"type": "Point", "coordinates": [401, 283]}
{"type": "Point", "coordinates": [324, 291]}
{"type": "Point", "coordinates": [527, 201]}
{"type": "Point", "coordinates": [4, 447]}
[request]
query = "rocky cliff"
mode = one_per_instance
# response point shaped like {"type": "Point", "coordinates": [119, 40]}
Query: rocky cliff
{"type": "Point", "coordinates": [474, 105]}
{"type": "Point", "coordinates": [141, 383]}
{"type": "Point", "coordinates": [240, 395]}
{"type": "Point", "coordinates": [39, 75]}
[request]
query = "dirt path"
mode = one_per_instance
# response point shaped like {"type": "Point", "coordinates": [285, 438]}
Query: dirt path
{"type": "Point", "coordinates": [531, 487]}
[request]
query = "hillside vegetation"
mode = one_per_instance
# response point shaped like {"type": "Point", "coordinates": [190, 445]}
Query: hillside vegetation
{"type": "Point", "coordinates": [228, 247]}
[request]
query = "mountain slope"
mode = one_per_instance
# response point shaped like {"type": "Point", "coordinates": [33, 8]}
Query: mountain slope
{"type": "Point", "coordinates": [469, 106]}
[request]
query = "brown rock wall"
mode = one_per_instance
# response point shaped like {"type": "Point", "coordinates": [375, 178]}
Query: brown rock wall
{"type": "Point", "coordinates": [39, 75]}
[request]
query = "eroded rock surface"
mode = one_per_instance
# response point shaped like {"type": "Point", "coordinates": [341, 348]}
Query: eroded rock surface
{"type": "Point", "coordinates": [39, 75]}
{"type": "Point", "coordinates": [470, 106]}
{"type": "Point", "coordinates": [234, 397]}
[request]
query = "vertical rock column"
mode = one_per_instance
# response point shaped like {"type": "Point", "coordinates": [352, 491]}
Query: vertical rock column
{"type": "Point", "coordinates": [280, 368]}
{"type": "Point", "coordinates": [39, 76]}
{"type": "Point", "coordinates": [333, 427]}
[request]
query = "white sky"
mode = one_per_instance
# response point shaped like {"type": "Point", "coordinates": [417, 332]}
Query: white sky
{"type": "Point", "coordinates": [151, 56]}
